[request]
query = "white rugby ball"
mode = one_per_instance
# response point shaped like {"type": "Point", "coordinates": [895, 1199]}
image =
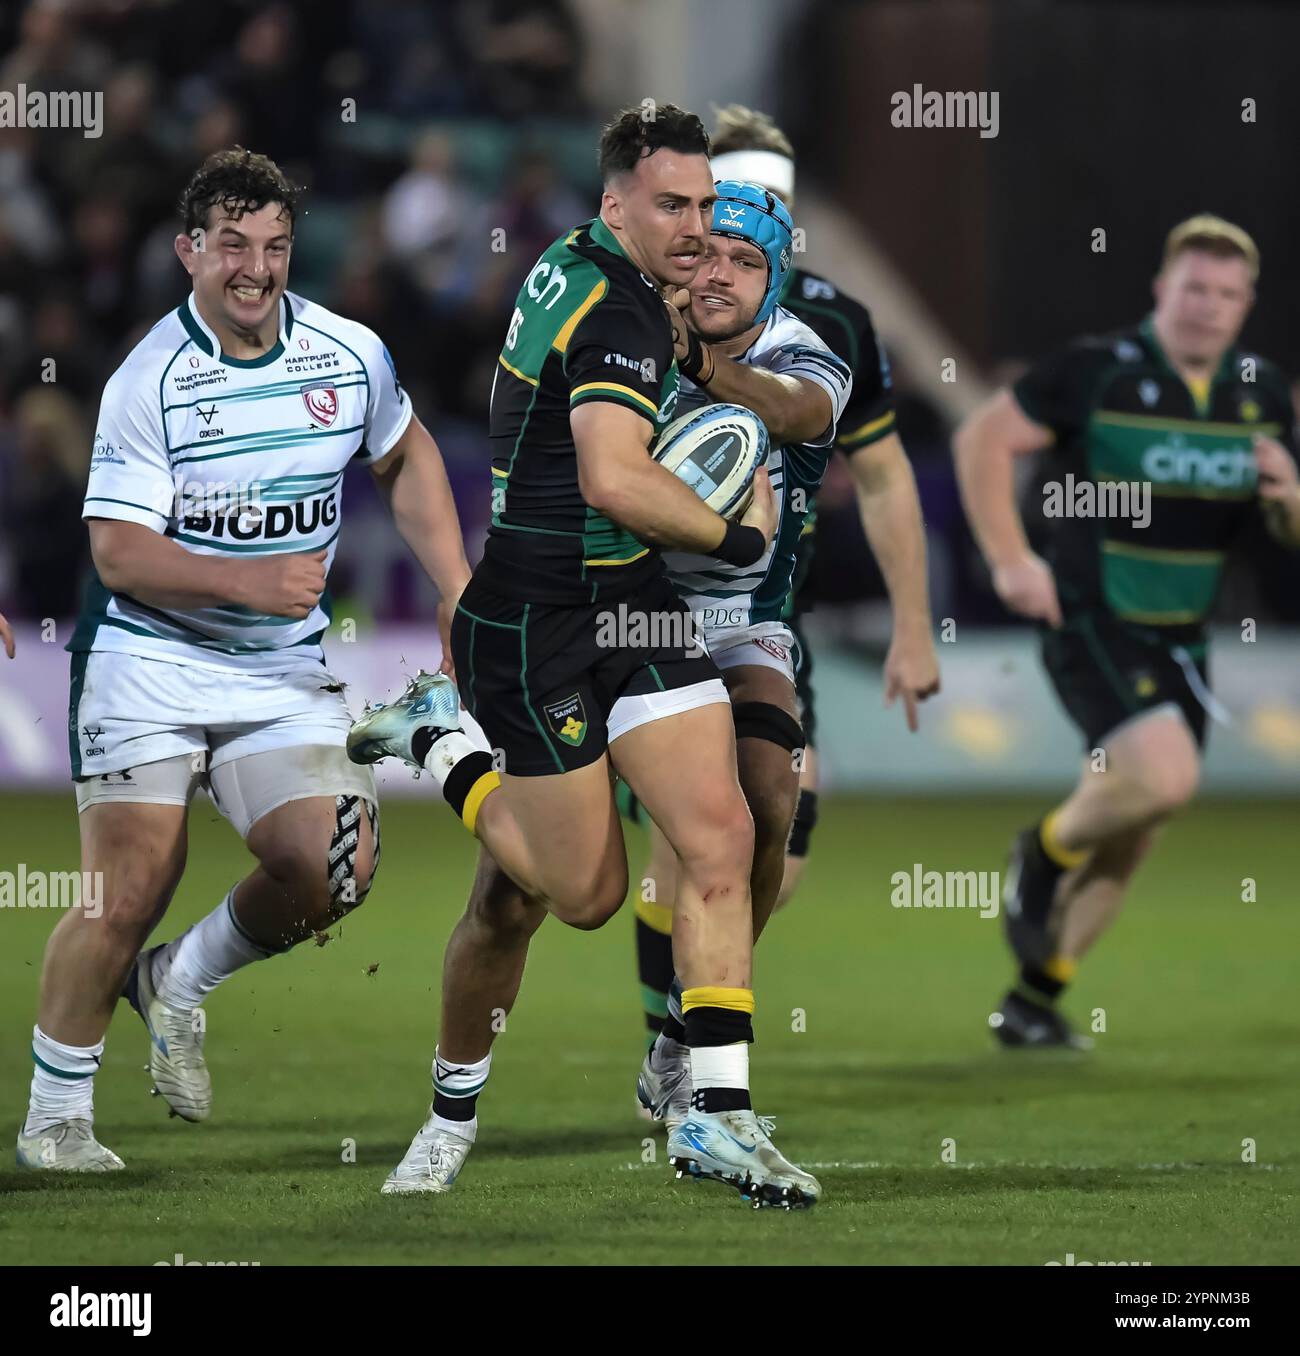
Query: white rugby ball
{"type": "Point", "coordinates": [716, 450]}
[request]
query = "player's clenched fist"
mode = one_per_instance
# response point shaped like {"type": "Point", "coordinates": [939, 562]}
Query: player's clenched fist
{"type": "Point", "coordinates": [678, 300]}
{"type": "Point", "coordinates": [288, 585]}
{"type": "Point", "coordinates": [1026, 586]}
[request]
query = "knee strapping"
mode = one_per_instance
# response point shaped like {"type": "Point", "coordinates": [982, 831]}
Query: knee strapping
{"type": "Point", "coordinates": [763, 720]}
{"type": "Point", "coordinates": [345, 892]}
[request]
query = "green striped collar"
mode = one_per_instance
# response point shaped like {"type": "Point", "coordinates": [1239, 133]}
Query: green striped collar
{"type": "Point", "coordinates": [205, 337]}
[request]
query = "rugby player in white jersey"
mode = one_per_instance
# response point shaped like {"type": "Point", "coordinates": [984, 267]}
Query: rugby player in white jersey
{"type": "Point", "coordinates": [735, 343]}
{"type": "Point", "coordinates": [749, 146]}
{"type": "Point", "coordinates": [213, 508]}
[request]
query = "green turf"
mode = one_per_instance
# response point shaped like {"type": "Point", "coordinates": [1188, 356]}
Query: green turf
{"type": "Point", "coordinates": [1133, 1153]}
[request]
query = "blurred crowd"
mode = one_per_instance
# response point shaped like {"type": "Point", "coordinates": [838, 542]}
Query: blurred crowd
{"type": "Point", "coordinates": [427, 136]}
{"type": "Point", "coordinates": [441, 145]}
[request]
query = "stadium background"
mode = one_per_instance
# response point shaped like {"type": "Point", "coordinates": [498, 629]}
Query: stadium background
{"type": "Point", "coordinates": [474, 123]}
{"type": "Point", "coordinates": [473, 116]}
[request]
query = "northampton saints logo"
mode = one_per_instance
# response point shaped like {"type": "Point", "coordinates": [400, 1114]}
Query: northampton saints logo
{"type": "Point", "coordinates": [567, 719]}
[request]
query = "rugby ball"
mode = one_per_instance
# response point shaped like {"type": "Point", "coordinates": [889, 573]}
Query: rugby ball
{"type": "Point", "coordinates": [715, 450]}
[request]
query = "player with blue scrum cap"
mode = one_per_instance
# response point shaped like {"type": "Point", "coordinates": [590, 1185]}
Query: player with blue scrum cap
{"type": "Point", "coordinates": [735, 344]}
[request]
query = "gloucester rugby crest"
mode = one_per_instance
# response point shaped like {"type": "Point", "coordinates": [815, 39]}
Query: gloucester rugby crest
{"type": "Point", "coordinates": [322, 402]}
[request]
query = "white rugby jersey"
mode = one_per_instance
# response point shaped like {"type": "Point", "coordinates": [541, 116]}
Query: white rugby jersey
{"type": "Point", "coordinates": [235, 457]}
{"type": "Point", "coordinates": [724, 597]}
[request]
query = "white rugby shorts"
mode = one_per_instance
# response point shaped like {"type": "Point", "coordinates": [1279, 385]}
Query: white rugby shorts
{"type": "Point", "coordinates": [145, 731]}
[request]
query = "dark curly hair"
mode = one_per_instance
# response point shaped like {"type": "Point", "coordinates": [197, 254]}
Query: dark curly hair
{"type": "Point", "coordinates": [642, 131]}
{"type": "Point", "coordinates": [238, 181]}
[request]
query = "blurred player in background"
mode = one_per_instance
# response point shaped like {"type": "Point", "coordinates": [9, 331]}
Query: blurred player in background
{"type": "Point", "coordinates": [748, 145]}
{"type": "Point", "coordinates": [1173, 408]}
{"type": "Point", "coordinates": [213, 507]}
{"type": "Point", "coordinates": [586, 379]}
{"type": "Point", "coordinates": [735, 344]}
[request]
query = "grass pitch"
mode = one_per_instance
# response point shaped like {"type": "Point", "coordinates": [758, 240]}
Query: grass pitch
{"type": "Point", "coordinates": [1135, 1152]}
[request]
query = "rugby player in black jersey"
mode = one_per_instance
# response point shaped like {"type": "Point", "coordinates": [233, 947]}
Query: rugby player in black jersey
{"type": "Point", "coordinates": [587, 377]}
{"type": "Point", "coordinates": [1198, 434]}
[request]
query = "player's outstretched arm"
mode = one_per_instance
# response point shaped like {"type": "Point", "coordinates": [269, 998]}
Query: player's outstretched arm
{"type": "Point", "coordinates": [794, 409]}
{"type": "Point", "coordinates": [619, 478]}
{"type": "Point", "coordinates": [6, 636]}
{"type": "Point", "coordinates": [411, 476]}
{"type": "Point", "coordinates": [890, 509]}
{"type": "Point", "coordinates": [136, 560]}
{"type": "Point", "coordinates": [985, 447]}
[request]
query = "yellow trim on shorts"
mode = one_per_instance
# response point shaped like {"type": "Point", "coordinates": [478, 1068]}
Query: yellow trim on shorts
{"type": "Point", "coordinates": [656, 916]}
{"type": "Point", "coordinates": [710, 996]}
{"type": "Point", "coordinates": [478, 793]}
{"type": "Point", "coordinates": [627, 560]}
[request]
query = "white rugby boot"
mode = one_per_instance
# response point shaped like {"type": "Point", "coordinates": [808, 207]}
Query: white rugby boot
{"type": "Point", "coordinates": [434, 1160]}
{"type": "Point", "coordinates": [180, 1074]}
{"type": "Point", "coordinates": [430, 700]}
{"type": "Point", "coordinates": [68, 1146]}
{"type": "Point", "coordinates": [735, 1147]}
{"type": "Point", "coordinates": [663, 1086]}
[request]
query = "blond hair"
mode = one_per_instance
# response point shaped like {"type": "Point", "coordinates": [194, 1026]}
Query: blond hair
{"type": "Point", "coordinates": [743, 129]}
{"type": "Point", "coordinates": [1215, 236]}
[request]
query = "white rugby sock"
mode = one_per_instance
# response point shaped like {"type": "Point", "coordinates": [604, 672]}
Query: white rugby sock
{"type": "Point", "coordinates": [453, 1082]}
{"type": "Point", "coordinates": [198, 960]}
{"type": "Point", "coordinates": [447, 752]}
{"type": "Point", "coordinates": [465, 1129]}
{"type": "Point", "coordinates": [719, 1066]}
{"type": "Point", "coordinates": [63, 1082]}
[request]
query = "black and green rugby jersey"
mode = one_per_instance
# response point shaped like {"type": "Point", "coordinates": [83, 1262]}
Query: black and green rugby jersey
{"type": "Point", "coordinates": [844, 326]}
{"type": "Point", "coordinates": [588, 325]}
{"type": "Point", "coordinates": [1121, 413]}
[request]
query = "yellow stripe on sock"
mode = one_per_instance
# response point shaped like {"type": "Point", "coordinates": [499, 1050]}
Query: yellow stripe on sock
{"type": "Point", "coordinates": [478, 793]}
{"type": "Point", "coordinates": [1064, 857]}
{"type": "Point", "coordinates": [1061, 968]}
{"type": "Point", "coordinates": [734, 1000]}
{"type": "Point", "coordinates": [656, 916]}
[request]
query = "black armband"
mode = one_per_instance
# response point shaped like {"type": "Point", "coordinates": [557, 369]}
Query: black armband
{"type": "Point", "coordinates": [740, 545]}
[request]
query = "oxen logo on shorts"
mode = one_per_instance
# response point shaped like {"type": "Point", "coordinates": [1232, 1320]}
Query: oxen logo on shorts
{"type": "Point", "coordinates": [322, 402]}
{"type": "Point", "coordinates": [567, 719]}
{"type": "Point", "coordinates": [773, 647]}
